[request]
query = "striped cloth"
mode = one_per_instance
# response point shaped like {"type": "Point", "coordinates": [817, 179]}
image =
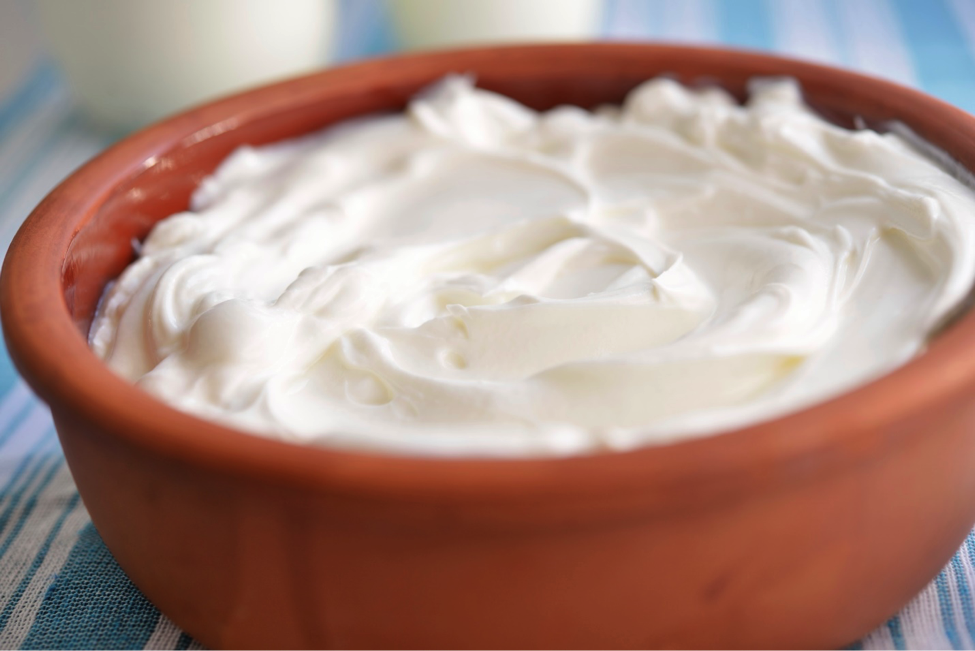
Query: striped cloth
{"type": "Point", "coordinates": [60, 587]}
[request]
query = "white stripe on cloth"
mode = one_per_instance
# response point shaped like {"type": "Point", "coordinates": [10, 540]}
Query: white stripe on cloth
{"type": "Point", "coordinates": [921, 621]}
{"type": "Point", "coordinates": [164, 636]}
{"type": "Point", "coordinates": [802, 29]}
{"type": "Point", "coordinates": [15, 564]}
{"type": "Point", "coordinates": [23, 512]}
{"type": "Point", "coordinates": [873, 38]}
{"type": "Point", "coordinates": [879, 639]}
{"type": "Point", "coordinates": [957, 608]}
{"type": "Point", "coordinates": [969, 572]}
{"type": "Point", "coordinates": [32, 472]}
{"type": "Point", "coordinates": [22, 618]}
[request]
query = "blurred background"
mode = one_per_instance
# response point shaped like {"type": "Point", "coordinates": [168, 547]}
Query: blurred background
{"type": "Point", "coordinates": [76, 75]}
{"type": "Point", "coordinates": [128, 62]}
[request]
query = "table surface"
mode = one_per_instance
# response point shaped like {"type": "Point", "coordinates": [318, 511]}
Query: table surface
{"type": "Point", "coordinates": [60, 587]}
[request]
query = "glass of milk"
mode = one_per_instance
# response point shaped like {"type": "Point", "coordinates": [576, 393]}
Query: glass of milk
{"type": "Point", "coordinates": [133, 61]}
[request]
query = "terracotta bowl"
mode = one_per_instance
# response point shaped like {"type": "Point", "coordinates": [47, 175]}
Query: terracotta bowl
{"type": "Point", "coordinates": [809, 530]}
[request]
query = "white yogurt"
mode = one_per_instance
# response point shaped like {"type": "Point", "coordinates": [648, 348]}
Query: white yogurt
{"type": "Point", "coordinates": [475, 278]}
{"type": "Point", "coordinates": [130, 62]}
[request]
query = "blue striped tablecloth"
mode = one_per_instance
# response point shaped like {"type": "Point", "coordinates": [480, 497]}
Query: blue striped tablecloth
{"type": "Point", "coordinates": [60, 587]}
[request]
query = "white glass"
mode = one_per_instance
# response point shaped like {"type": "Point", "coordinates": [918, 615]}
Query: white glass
{"type": "Point", "coordinates": [133, 61]}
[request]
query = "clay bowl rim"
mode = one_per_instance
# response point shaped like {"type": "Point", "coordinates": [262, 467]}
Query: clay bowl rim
{"type": "Point", "coordinates": [847, 430]}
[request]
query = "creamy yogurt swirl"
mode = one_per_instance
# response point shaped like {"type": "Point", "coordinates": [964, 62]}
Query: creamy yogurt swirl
{"type": "Point", "coordinates": [472, 277]}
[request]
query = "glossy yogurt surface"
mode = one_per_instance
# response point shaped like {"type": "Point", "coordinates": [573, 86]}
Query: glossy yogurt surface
{"type": "Point", "coordinates": [472, 277]}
